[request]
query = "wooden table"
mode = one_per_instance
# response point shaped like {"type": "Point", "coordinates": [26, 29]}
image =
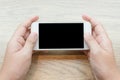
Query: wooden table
{"type": "Point", "coordinates": [57, 65]}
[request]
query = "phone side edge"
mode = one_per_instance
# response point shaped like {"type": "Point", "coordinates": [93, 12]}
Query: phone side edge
{"type": "Point", "coordinates": [87, 29]}
{"type": "Point", "coordinates": [35, 28]}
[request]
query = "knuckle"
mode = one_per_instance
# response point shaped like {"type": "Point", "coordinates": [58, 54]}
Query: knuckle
{"type": "Point", "coordinates": [20, 40]}
{"type": "Point", "coordinates": [97, 24]}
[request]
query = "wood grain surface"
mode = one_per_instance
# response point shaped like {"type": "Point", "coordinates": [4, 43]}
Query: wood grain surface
{"type": "Point", "coordinates": [59, 65]}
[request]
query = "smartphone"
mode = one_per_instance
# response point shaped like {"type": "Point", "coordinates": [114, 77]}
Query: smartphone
{"type": "Point", "coordinates": [61, 36]}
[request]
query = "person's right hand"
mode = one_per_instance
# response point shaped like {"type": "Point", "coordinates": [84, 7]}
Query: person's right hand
{"type": "Point", "coordinates": [100, 55]}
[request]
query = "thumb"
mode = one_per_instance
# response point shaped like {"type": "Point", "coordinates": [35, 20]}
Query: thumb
{"type": "Point", "coordinates": [30, 42]}
{"type": "Point", "coordinates": [91, 42]}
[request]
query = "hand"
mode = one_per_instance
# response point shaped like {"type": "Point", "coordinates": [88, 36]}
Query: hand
{"type": "Point", "coordinates": [19, 52]}
{"type": "Point", "coordinates": [101, 55]}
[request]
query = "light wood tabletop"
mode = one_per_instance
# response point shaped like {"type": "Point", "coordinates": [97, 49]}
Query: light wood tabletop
{"type": "Point", "coordinates": [58, 65]}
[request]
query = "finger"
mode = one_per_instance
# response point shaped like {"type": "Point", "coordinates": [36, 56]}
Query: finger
{"type": "Point", "coordinates": [30, 43]}
{"type": "Point", "coordinates": [26, 35]}
{"type": "Point", "coordinates": [98, 32]}
{"type": "Point", "coordinates": [91, 42]}
{"type": "Point", "coordinates": [96, 26]}
{"type": "Point", "coordinates": [30, 21]}
{"type": "Point", "coordinates": [24, 27]}
{"type": "Point", "coordinates": [93, 33]}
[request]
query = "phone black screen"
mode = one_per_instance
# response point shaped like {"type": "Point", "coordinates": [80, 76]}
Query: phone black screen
{"type": "Point", "coordinates": [61, 35]}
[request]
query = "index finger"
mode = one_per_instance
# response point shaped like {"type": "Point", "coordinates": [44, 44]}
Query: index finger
{"type": "Point", "coordinates": [96, 26]}
{"type": "Point", "coordinates": [100, 34]}
{"type": "Point", "coordinates": [21, 30]}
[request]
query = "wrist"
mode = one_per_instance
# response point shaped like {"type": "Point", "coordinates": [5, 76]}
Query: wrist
{"type": "Point", "coordinates": [111, 76]}
{"type": "Point", "coordinates": [8, 74]}
{"type": "Point", "coordinates": [4, 75]}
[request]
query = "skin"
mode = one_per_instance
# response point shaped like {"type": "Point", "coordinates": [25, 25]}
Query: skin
{"type": "Point", "coordinates": [101, 54]}
{"type": "Point", "coordinates": [19, 52]}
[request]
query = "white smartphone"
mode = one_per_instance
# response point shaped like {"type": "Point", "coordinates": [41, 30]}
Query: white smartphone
{"type": "Point", "coordinates": [61, 36]}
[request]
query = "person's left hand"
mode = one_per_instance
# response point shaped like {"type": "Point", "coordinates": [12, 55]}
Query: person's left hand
{"type": "Point", "coordinates": [19, 52]}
